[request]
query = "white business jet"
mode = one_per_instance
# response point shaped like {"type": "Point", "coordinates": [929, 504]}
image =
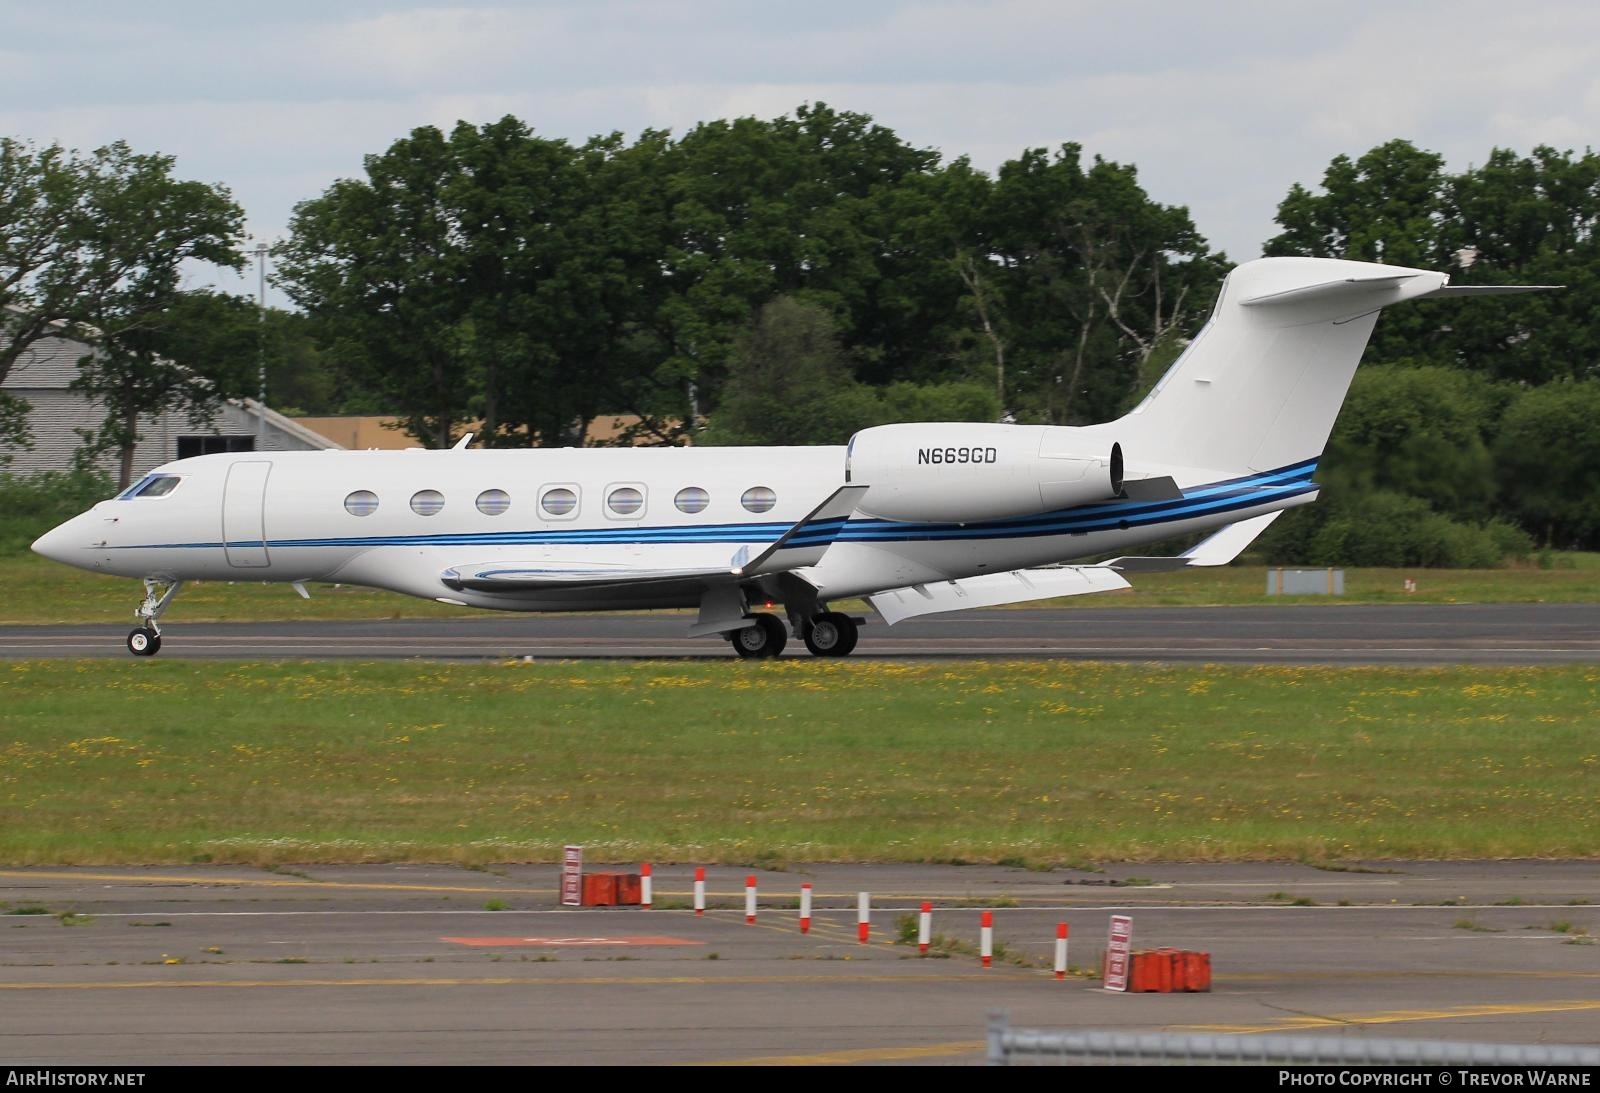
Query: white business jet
{"type": "Point", "coordinates": [917, 518]}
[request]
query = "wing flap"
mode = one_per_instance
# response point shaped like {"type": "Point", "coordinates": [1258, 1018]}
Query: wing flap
{"type": "Point", "coordinates": [992, 590]}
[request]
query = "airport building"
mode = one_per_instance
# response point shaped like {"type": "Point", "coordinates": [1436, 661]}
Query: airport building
{"type": "Point", "coordinates": [59, 416]}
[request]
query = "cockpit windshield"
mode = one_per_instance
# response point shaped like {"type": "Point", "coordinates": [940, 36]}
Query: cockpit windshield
{"type": "Point", "coordinates": [151, 485]}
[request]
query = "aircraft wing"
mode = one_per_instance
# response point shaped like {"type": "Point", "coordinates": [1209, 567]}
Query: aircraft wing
{"type": "Point", "coordinates": [801, 545]}
{"type": "Point", "coordinates": [502, 576]}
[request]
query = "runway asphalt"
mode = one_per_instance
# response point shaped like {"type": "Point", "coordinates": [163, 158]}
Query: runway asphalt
{"type": "Point", "coordinates": [406, 965]}
{"type": "Point", "coordinates": [1328, 634]}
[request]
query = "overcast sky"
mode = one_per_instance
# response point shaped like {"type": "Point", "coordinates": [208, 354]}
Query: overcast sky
{"type": "Point", "coordinates": [1220, 105]}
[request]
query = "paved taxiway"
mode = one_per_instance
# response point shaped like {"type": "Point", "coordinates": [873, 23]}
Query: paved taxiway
{"type": "Point", "coordinates": [404, 964]}
{"type": "Point", "coordinates": [1330, 634]}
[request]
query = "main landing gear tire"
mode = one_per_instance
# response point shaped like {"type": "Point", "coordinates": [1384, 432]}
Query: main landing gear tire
{"type": "Point", "coordinates": [832, 635]}
{"type": "Point", "coordinates": [764, 637]}
{"type": "Point", "coordinates": [144, 642]}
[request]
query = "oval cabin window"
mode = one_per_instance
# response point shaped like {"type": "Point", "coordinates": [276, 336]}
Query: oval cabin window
{"type": "Point", "coordinates": [559, 501]}
{"type": "Point", "coordinates": [692, 499]}
{"type": "Point", "coordinates": [758, 499]}
{"type": "Point", "coordinates": [361, 503]}
{"type": "Point", "coordinates": [625, 501]}
{"type": "Point", "coordinates": [427, 502]}
{"type": "Point", "coordinates": [493, 502]}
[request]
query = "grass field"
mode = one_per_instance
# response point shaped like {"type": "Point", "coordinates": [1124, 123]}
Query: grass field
{"type": "Point", "coordinates": [108, 762]}
{"type": "Point", "coordinates": [40, 591]}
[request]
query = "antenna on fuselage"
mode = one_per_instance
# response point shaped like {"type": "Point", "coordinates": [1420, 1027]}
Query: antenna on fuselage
{"type": "Point", "coordinates": [461, 445]}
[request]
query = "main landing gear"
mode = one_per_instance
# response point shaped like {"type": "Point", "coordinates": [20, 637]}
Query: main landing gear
{"type": "Point", "coordinates": [144, 640]}
{"type": "Point", "coordinates": [764, 637]}
{"type": "Point", "coordinates": [829, 634]}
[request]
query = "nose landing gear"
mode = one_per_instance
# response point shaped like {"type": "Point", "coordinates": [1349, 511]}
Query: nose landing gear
{"type": "Point", "coordinates": [144, 640]}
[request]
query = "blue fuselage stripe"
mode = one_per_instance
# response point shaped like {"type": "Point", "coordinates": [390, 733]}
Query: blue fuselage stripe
{"type": "Point", "coordinates": [1207, 500]}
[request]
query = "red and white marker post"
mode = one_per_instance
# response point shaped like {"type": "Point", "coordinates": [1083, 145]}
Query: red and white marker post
{"type": "Point", "coordinates": [925, 928]}
{"type": "Point", "coordinates": [645, 896]}
{"type": "Point", "coordinates": [1061, 950]}
{"type": "Point", "coordinates": [986, 939]}
{"type": "Point", "coordinates": [805, 908]}
{"type": "Point", "coordinates": [750, 899]}
{"type": "Point", "coordinates": [699, 889]}
{"type": "Point", "coordinates": [863, 917]}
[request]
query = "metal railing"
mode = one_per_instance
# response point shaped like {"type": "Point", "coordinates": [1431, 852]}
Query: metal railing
{"type": "Point", "coordinates": [1007, 1044]}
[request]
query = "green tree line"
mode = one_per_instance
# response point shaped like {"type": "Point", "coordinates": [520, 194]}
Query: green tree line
{"type": "Point", "coordinates": [533, 284]}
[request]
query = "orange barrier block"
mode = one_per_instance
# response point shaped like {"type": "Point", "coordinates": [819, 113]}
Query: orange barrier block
{"type": "Point", "coordinates": [1151, 972]}
{"type": "Point", "coordinates": [612, 890]}
{"type": "Point", "coordinates": [599, 890]}
{"type": "Point", "coordinates": [630, 890]}
{"type": "Point", "coordinates": [1163, 971]}
{"type": "Point", "coordinates": [1196, 971]}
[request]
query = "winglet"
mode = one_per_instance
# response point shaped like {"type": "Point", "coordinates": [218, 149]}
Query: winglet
{"type": "Point", "coordinates": [806, 542]}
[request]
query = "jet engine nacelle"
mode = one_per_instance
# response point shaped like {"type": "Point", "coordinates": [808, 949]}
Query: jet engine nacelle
{"type": "Point", "coordinates": [965, 471]}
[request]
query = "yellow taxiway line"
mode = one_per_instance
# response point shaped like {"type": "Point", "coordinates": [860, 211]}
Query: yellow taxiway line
{"type": "Point", "coordinates": [1393, 1017]}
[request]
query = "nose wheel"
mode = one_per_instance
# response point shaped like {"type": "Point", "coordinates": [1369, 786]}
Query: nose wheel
{"type": "Point", "coordinates": [144, 640]}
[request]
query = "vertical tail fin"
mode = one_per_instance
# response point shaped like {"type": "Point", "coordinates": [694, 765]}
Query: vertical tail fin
{"type": "Point", "coordinates": [1260, 386]}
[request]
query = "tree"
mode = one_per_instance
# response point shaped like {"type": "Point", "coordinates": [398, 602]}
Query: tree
{"type": "Point", "coordinates": [799, 206]}
{"type": "Point", "coordinates": [1387, 206]}
{"type": "Point", "coordinates": [1096, 277]}
{"type": "Point", "coordinates": [1548, 456]}
{"type": "Point", "coordinates": [229, 339]}
{"type": "Point", "coordinates": [789, 384]}
{"type": "Point", "coordinates": [1527, 220]}
{"type": "Point", "coordinates": [380, 263]}
{"type": "Point", "coordinates": [492, 274]}
{"type": "Point", "coordinates": [1514, 220]}
{"type": "Point", "coordinates": [1383, 207]}
{"type": "Point", "coordinates": [92, 239]}
{"type": "Point", "coordinates": [1420, 431]}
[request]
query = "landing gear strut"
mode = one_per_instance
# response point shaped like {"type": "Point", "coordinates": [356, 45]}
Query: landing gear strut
{"type": "Point", "coordinates": [831, 634]}
{"type": "Point", "coordinates": [144, 640]}
{"type": "Point", "coordinates": [764, 637]}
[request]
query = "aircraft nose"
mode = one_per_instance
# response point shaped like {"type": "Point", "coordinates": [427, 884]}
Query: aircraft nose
{"type": "Point", "coordinates": [59, 542]}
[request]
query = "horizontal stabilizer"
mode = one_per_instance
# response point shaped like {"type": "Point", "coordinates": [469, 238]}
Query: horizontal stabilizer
{"type": "Point", "coordinates": [1218, 549]}
{"type": "Point", "coordinates": [1489, 290]}
{"type": "Point", "coordinates": [991, 590]}
{"type": "Point", "coordinates": [1330, 290]}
